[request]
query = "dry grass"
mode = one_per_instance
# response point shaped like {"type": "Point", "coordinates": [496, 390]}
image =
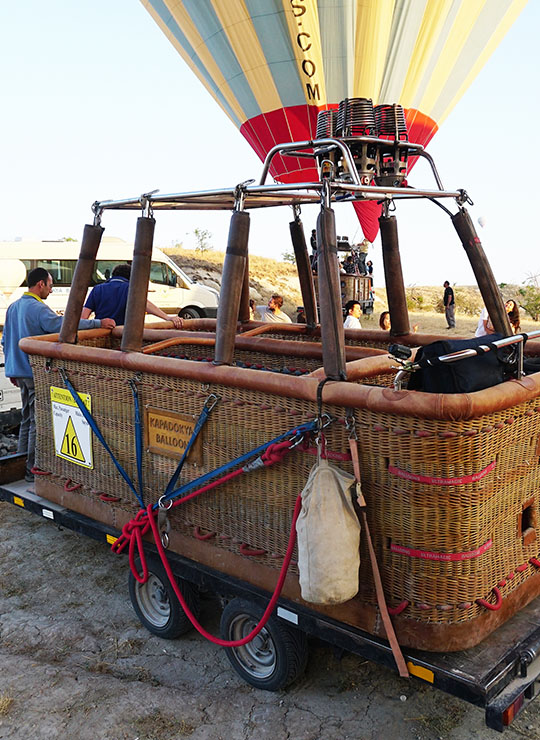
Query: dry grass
{"type": "Point", "coordinates": [431, 322]}
{"type": "Point", "coordinates": [6, 700]}
{"type": "Point", "coordinates": [269, 276]}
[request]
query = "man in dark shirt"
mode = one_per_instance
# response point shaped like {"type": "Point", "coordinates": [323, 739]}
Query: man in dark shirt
{"type": "Point", "coordinates": [449, 305]}
{"type": "Point", "coordinates": [110, 299]}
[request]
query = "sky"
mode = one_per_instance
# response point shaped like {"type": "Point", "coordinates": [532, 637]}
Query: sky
{"type": "Point", "coordinates": [97, 104]}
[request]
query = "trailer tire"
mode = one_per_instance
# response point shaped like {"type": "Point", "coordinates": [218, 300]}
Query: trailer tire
{"type": "Point", "coordinates": [157, 606]}
{"type": "Point", "coordinates": [275, 658]}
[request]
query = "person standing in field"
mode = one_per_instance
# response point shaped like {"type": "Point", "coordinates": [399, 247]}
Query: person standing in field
{"type": "Point", "coordinates": [28, 317]}
{"type": "Point", "coordinates": [449, 305]}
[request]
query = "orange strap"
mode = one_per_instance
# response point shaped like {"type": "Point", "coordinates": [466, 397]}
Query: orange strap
{"type": "Point", "coordinates": [381, 601]}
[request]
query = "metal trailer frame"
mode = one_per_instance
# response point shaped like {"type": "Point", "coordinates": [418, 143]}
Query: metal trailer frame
{"type": "Point", "coordinates": [501, 674]}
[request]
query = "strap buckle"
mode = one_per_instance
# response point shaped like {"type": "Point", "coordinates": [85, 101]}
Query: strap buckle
{"type": "Point", "coordinates": [212, 400]}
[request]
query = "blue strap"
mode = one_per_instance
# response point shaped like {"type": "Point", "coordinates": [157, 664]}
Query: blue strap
{"type": "Point", "coordinates": [207, 408]}
{"type": "Point", "coordinates": [296, 432]}
{"type": "Point", "coordinates": [94, 427]}
{"type": "Point", "coordinates": [138, 439]}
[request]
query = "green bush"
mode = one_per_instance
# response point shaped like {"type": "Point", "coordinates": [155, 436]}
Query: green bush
{"type": "Point", "coordinates": [415, 299]}
{"type": "Point", "coordinates": [529, 298]}
{"type": "Point", "coordinates": [468, 302]}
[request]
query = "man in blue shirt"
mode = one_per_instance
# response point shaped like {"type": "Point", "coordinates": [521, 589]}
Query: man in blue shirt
{"type": "Point", "coordinates": [28, 317]}
{"type": "Point", "coordinates": [110, 299]}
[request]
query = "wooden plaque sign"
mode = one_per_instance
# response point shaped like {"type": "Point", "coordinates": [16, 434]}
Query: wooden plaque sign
{"type": "Point", "coordinates": [168, 433]}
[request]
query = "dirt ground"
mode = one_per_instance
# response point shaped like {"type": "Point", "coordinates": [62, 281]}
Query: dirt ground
{"type": "Point", "coordinates": [76, 663]}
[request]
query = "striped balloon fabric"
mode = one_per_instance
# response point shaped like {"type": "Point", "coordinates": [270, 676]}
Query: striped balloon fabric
{"type": "Point", "coordinates": [272, 65]}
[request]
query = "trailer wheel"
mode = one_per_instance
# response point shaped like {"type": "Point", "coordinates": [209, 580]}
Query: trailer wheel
{"type": "Point", "coordinates": [274, 658]}
{"type": "Point", "coordinates": [157, 606]}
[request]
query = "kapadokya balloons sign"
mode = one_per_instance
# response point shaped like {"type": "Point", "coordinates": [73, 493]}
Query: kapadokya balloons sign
{"type": "Point", "coordinates": [272, 65]}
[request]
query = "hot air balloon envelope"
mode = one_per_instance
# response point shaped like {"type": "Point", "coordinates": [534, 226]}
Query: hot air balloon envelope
{"type": "Point", "coordinates": [272, 65]}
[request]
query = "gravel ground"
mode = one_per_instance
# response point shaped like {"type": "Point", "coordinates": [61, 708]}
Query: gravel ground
{"type": "Point", "coordinates": [75, 662]}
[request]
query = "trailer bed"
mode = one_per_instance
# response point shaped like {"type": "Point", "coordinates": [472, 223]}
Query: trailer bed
{"type": "Point", "coordinates": [500, 674]}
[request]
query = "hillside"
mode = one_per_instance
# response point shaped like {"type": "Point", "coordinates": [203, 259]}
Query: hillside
{"type": "Point", "coordinates": [269, 276]}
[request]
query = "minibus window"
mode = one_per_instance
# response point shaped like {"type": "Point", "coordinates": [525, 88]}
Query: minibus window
{"type": "Point", "coordinates": [162, 274]}
{"type": "Point", "coordinates": [61, 270]}
{"type": "Point", "coordinates": [103, 270]}
{"type": "Point", "coordinates": [172, 277]}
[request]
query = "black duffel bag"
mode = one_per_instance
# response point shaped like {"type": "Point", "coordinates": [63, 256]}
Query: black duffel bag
{"type": "Point", "coordinates": [463, 376]}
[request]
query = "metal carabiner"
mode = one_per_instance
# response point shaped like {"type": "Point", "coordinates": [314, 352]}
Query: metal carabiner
{"type": "Point", "coordinates": [350, 424]}
{"type": "Point", "coordinates": [327, 419]}
{"type": "Point", "coordinates": [299, 437]}
{"type": "Point", "coordinates": [211, 401]}
{"type": "Point", "coordinates": [137, 378]}
{"type": "Point", "coordinates": [162, 505]}
{"type": "Point", "coordinates": [164, 527]}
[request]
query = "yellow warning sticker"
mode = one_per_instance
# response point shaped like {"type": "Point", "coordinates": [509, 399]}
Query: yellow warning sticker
{"type": "Point", "coordinates": [72, 433]}
{"type": "Point", "coordinates": [111, 540]}
{"type": "Point", "coordinates": [71, 447]}
{"type": "Point", "coordinates": [18, 501]}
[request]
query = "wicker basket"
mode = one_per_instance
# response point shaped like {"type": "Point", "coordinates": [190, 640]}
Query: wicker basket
{"type": "Point", "coordinates": [452, 504]}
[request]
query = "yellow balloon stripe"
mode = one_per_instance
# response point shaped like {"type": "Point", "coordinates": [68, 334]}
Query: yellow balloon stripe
{"type": "Point", "coordinates": [302, 18]}
{"type": "Point", "coordinates": [433, 21]}
{"type": "Point", "coordinates": [457, 37]}
{"type": "Point", "coordinates": [509, 18]}
{"type": "Point", "coordinates": [373, 26]}
{"type": "Point", "coordinates": [238, 28]}
{"type": "Point", "coordinates": [184, 21]}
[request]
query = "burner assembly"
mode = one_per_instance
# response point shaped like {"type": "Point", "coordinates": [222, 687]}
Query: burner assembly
{"type": "Point", "coordinates": [376, 137]}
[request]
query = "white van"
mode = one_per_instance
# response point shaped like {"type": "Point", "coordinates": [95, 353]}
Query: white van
{"type": "Point", "coordinates": [169, 287]}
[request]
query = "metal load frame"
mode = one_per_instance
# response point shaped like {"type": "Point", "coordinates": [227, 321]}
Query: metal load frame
{"type": "Point", "coordinates": [342, 184]}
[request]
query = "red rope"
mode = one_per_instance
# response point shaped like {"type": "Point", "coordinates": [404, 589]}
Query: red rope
{"type": "Point", "coordinates": [395, 610]}
{"type": "Point", "coordinates": [70, 486]}
{"type": "Point", "coordinates": [271, 604]}
{"type": "Point", "coordinates": [134, 531]}
{"type": "Point", "coordinates": [109, 498]}
{"type": "Point", "coordinates": [246, 550]}
{"type": "Point", "coordinates": [200, 536]}
{"type": "Point", "coordinates": [37, 471]}
{"type": "Point", "coordinates": [492, 607]}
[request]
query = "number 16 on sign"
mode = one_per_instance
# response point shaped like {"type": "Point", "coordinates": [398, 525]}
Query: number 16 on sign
{"type": "Point", "coordinates": [72, 434]}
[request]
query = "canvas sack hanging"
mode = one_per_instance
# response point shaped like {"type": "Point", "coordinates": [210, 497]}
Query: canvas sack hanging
{"type": "Point", "coordinates": [328, 537]}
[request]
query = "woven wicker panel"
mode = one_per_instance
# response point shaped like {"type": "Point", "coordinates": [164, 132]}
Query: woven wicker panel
{"type": "Point", "coordinates": [256, 508]}
{"type": "Point", "coordinates": [364, 342]}
{"type": "Point", "coordinates": [437, 518]}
